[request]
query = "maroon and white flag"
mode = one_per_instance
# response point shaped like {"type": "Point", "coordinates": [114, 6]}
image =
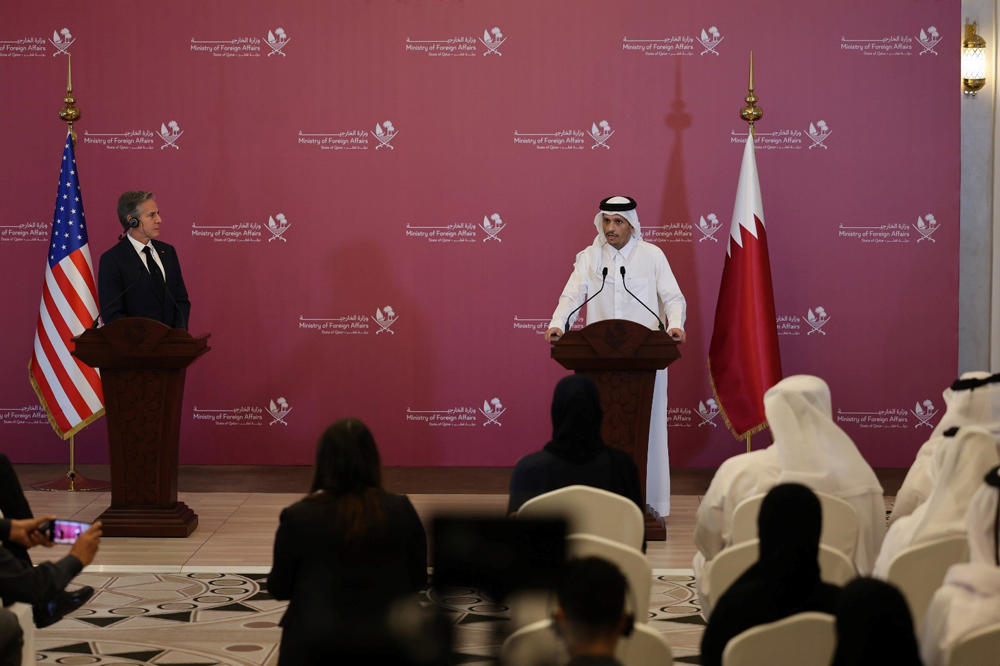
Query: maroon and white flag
{"type": "Point", "coordinates": [743, 359]}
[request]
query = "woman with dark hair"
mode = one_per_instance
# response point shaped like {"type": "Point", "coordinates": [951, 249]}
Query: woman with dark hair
{"type": "Point", "coordinates": [576, 455]}
{"type": "Point", "coordinates": [784, 581]}
{"type": "Point", "coordinates": [344, 554]}
{"type": "Point", "coordinates": [874, 626]}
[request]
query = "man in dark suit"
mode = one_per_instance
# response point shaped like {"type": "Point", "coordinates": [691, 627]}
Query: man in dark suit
{"type": "Point", "coordinates": [140, 276]}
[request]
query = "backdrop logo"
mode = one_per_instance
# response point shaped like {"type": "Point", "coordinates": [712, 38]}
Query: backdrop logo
{"type": "Point", "coordinates": [241, 232]}
{"type": "Point", "coordinates": [601, 134]}
{"type": "Point", "coordinates": [708, 225]}
{"type": "Point", "coordinates": [492, 225]}
{"type": "Point", "coordinates": [928, 40]}
{"type": "Point", "coordinates": [540, 326]}
{"type": "Point", "coordinates": [926, 226]}
{"type": "Point", "coordinates": [492, 39]}
{"type": "Point", "coordinates": [241, 47]}
{"type": "Point", "coordinates": [818, 133]}
{"type": "Point", "coordinates": [29, 415]}
{"type": "Point", "coordinates": [385, 318]}
{"type": "Point", "coordinates": [62, 40]}
{"type": "Point", "coordinates": [170, 132]}
{"type": "Point", "coordinates": [26, 47]}
{"type": "Point", "coordinates": [924, 412]}
{"type": "Point", "coordinates": [278, 225]}
{"type": "Point", "coordinates": [492, 410]}
{"type": "Point", "coordinates": [561, 140]}
{"type": "Point", "coordinates": [710, 39]}
{"type": "Point", "coordinates": [347, 140]}
{"type": "Point", "coordinates": [883, 419]}
{"type": "Point", "coordinates": [248, 415]}
{"type": "Point", "coordinates": [708, 410]}
{"type": "Point", "coordinates": [675, 45]}
{"type": "Point", "coordinates": [385, 133]}
{"type": "Point", "coordinates": [780, 139]}
{"type": "Point", "coordinates": [278, 409]}
{"type": "Point", "coordinates": [817, 320]}
{"type": "Point", "coordinates": [276, 41]}
{"type": "Point", "coordinates": [25, 232]}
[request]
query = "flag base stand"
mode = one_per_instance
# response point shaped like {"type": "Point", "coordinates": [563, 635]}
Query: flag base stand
{"type": "Point", "coordinates": [73, 481]}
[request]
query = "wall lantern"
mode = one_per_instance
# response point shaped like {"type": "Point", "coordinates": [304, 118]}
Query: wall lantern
{"type": "Point", "coordinates": [973, 60]}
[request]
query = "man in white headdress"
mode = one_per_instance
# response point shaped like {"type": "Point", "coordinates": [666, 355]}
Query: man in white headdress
{"type": "Point", "coordinates": [969, 598]}
{"type": "Point", "coordinates": [974, 399]}
{"type": "Point", "coordinates": [619, 262]}
{"type": "Point", "coordinates": [809, 448]}
{"type": "Point", "coordinates": [962, 463]}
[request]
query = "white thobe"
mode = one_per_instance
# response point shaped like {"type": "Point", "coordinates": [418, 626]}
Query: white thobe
{"type": "Point", "coordinates": [648, 276]}
{"type": "Point", "coordinates": [968, 600]}
{"type": "Point", "coordinates": [919, 481]}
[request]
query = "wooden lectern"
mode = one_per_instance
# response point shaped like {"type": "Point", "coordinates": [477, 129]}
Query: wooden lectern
{"type": "Point", "coordinates": [622, 358]}
{"type": "Point", "coordinates": [142, 364]}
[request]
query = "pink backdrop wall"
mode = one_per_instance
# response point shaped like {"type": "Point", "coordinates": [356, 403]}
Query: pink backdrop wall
{"type": "Point", "coordinates": [841, 205]}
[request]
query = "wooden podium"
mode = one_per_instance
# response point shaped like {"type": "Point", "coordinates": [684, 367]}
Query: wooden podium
{"type": "Point", "coordinates": [142, 364]}
{"type": "Point", "coordinates": [622, 358]}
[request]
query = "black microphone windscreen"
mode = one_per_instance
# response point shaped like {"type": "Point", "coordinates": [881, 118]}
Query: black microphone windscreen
{"type": "Point", "coordinates": [604, 273]}
{"type": "Point", "coordinates": [623, 271]}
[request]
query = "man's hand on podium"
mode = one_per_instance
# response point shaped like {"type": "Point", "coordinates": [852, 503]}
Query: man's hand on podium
{"type": "Point", "coordinates": [553, 334]}
{"type": "Point", "coordinates": [678, 334]}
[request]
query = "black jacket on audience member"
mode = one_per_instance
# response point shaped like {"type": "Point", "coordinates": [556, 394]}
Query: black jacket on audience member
{"type": "Point", "coordinates": [874, 626]}
{"type": "Point", "coordinates": [784, 581]}
{"type": "Point", "coordinates": [339, 591]}
{"type": "Point", "coordinates": [576, 455]}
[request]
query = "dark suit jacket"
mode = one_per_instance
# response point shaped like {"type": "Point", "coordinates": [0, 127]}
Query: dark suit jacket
{"type": "Point", "coordinates": [121, 266]}
{"type": "Point", "coordinates": [33, 585]}
{"type": "Point", "coordinates": [338, 591]}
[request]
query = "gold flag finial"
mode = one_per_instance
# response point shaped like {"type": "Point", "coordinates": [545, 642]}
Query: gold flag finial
{"type": "Point", "coordinates": [69, 113]}
{"type": "Point", "coordinates": [751, 112]}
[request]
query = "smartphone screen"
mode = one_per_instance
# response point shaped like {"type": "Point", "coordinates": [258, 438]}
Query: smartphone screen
{"type": "Point", "coordinates": [67, 531]}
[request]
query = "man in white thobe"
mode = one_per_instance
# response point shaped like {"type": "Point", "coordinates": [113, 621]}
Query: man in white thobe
{"type": "Point", "coordinates": [974, 399]}
{"type": "Point", "coordinates": [656, 298]}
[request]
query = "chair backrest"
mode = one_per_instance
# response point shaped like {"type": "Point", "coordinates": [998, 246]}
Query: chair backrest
{"type": "Point", "coordinates": [918, 571]}
{"type": "Point", "coordinates": [980, 647]}
{"type": "Point", "coordinates": [632, 563]}
{"type": "Point", "coordinates": [590, 511]}
{"type": "Point", "coordinates": [805, 639]}
{"type": "Point", "coordinates": [834, 567]}
{"type": "Point", "coordinates": [840, 522]}
{"type": "Point", "coordinates": [538, 644]}
{"type": "Point", "coordinates": [531, 606]}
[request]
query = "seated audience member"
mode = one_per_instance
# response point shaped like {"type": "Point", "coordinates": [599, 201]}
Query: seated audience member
{"type": "Point", "coordinates": [874, 626]}
{"type": "Point", "coordinates": [974, 399]}
{"type": "Point", "coordinates": [11, 639]}
{"type": "Point", "coordinates": [576, 455]}
{"type": "Point", "coordinates": [43, 586]}
{"type": "Point", "coordinates": [784, 581]}
{"type": "Point", "coordinates": [969, 598]}
{"type": "Point", "coordinates": [962, 465]}
{"type": "Point", "coordinates": [809, 448]}
{"type": "Point", "coordinates": [591, 616]}
{"type": "Point", "coordinates": [344, 555]}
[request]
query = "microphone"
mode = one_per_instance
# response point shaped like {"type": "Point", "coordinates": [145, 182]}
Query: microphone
{"type": "Point", "coordinates": [114, 300]}
{"type": "Point", "coordinates": [662, 327]}
{"type": "Point", "coordinates": [604, 276]}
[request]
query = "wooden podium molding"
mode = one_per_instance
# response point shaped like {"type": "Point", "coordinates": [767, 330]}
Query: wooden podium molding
{"type": "Point", "coordinates": [622, 358]}
{"type": "Point", "coordinates": [142, 364]}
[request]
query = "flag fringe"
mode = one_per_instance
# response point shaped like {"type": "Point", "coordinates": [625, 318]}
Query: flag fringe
{"type": "Point", "coordinates": [48, 412]}
{"type": "Point", "coordinates": [725, 417]}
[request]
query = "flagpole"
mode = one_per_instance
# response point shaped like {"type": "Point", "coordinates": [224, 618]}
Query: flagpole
{"type": "Point", "coordinates": [751, 113]}
{"type": "Point", "coordinates": [72, 481]}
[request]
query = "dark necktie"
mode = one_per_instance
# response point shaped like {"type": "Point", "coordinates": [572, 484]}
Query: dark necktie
{"type": "Point", "coordinates": [154, 269]}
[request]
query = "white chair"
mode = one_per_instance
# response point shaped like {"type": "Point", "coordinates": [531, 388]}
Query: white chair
{"type": "Point", "coordinates": [529, 607]}
{"type": "Point", "coordinates": [806, 639]}
{"type": "Point", "coordinates": [590, 511]}
{"type": "Point", "coordinates": [537, 644]}
{"type": "Point", "coordinates": [979, 647]}
{"type": "Point", "coordinates": [918, 571]}
{"type": "Point", "coordinates": [722, 571]}
{"type": "Point", "coordinates": [840, 522]}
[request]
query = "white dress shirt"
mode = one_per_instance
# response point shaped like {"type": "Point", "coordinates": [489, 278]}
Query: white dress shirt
{"type": "Point", "coordinates": [647, 275]}
{"type": "Point", "coordinates": [139, 247]}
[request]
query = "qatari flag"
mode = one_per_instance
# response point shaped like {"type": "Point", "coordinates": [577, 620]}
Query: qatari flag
{"type": "Point", "coordinates": [743, 360]}
{"type": "Point", "coordinates": [69, 390]}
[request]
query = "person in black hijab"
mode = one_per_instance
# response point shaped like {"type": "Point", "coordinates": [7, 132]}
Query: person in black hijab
{"type": "Point", "coordinates": [784, 581]}
{"type": "Point", "coordinates": [874, 626]}
{"type": "Point", "coordinates": [576, 455]}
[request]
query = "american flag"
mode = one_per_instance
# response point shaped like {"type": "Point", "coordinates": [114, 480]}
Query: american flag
{"type": "Point", "coordinates": [69, 391]}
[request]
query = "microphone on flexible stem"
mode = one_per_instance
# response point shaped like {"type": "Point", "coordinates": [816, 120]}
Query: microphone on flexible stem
{"type": "Point", "coordinates": [604, 277]}
{"type": "Point", "coordinates": [662, 327]}
{"type": "Point", "coordinates": [114, 300]}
